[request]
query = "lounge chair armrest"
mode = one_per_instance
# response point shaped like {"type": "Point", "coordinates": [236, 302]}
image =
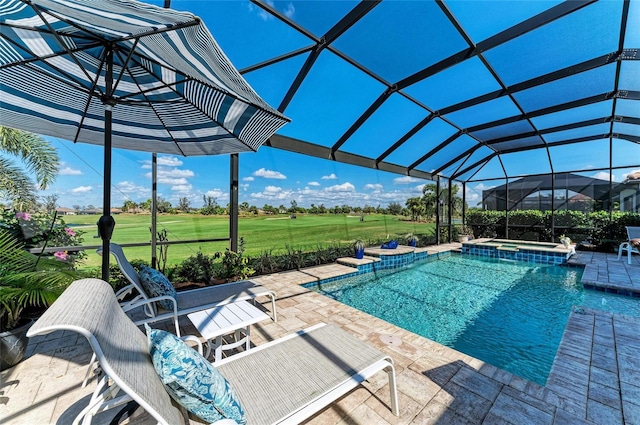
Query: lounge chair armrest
{"type": "Point", "coordinates": [123, 292]}
{"type": "Point", "coordinates": [150, 301]}
{"type": "Point", "coordinates": [193, 338]}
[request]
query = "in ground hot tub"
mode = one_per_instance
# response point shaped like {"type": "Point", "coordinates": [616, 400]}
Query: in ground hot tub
{"type": "Point", "coordinates": [538, 252]}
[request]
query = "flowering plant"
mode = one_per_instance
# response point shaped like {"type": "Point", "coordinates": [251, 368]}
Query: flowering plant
{"type": "Point", "coordinates": [26, 281]}
{"type": "Point", "coordinates": [37, 230]}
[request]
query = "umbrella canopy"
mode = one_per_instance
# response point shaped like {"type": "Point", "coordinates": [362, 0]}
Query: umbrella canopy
{"type": "Point", "coordinates": [128, 75]}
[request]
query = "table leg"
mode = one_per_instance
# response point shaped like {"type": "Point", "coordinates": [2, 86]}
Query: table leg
{"type": "Point", "coordinates": [218, 355]}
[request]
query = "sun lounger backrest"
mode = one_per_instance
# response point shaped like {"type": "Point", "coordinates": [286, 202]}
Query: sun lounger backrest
{"type": "Point", "coordinates": [126, 268]}
{"type": "Point", "coordinates": [89, 307]}
{"type": "Point", "coordinates": [633, 232]}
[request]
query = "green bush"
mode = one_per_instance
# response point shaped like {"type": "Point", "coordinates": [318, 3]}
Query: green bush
{"type": "Point", "coordinates": [199, 268]}
{"type": "Point", "coordinates": [606, 231]}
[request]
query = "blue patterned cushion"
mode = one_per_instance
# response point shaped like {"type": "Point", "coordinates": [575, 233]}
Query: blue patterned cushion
{"type": "Point", "coordinates": [191, 380]}
{"type": "Point", "coordinates": [156, 285]}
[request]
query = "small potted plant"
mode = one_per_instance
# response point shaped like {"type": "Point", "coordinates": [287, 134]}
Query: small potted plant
{"type": "Point", "coordinates": [358, 248]}
{"type": "Point", "coordinates": [565, 240]}
{"type": "Point", "coordinates": [465, 234]}
{"type": "Point", "coordinates": [412, 240]}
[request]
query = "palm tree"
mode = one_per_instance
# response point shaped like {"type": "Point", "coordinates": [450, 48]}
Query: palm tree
{"type": "Point", "coordinates": [39, 157]}
{"type": "Point", "coordinates": [416, 206]}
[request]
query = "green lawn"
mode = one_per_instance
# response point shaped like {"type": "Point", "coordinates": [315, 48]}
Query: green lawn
{"type": "Point", "coordinates": [262, 233]}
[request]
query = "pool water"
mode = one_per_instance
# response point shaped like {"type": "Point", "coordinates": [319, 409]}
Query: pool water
{"type": "Point", "coordinates": [506, 313]}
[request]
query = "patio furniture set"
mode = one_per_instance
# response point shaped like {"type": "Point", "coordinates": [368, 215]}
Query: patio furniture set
{"type": "Point", "coordinates": [176, 384]}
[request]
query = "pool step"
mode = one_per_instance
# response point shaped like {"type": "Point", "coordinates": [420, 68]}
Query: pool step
{"type": "Point", "coordinates": [355, 262]}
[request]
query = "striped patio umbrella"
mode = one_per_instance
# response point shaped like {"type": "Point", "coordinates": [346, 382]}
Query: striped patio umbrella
{"type": "Point", "coordinates": [124, 74]}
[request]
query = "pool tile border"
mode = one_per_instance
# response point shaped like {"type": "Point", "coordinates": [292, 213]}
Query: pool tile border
{"type": "Point", "coordinates": [523, 254]}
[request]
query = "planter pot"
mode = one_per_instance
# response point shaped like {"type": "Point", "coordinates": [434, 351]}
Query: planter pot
{"type": "Point", "coordinates": [13, 343]}
{"type": "Point", "coordinates": [359, 253]}
{"type": "Point", "coordinates": [463, 238]}
{"type": "Point", "coordinates": [412, 243]}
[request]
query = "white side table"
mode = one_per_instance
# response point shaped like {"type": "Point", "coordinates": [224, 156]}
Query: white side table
{"type": "Point", "coordinates": [216, 322]}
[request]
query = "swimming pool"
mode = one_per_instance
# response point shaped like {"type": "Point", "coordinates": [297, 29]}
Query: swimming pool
{"type": "Point", "coordinates": [509, 314]}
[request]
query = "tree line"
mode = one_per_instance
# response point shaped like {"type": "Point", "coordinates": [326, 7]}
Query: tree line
{"type": "Point", "coordinates": [42, 159]}
{"type": "Point", "coordinates": [418, 208]}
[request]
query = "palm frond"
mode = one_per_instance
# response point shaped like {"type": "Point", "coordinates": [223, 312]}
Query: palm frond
{"type": "Point", "coordinates": [16, 185]}
{"type": "Point", "coordinates": [37, 153]}
{"type": "Point", "coordinates": [26, 281]}
{"type": "Point", "coordinates": [13, 257]}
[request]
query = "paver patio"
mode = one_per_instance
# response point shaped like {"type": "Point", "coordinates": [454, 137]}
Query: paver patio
{"type": "Point", "coordinates": [436, 384]}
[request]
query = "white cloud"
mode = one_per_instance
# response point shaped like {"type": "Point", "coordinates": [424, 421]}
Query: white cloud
{"type": "Point", "coordinates": [344, 187]}
{"type": "Point", "coordinates": [81, 189]}
{"type": "Point", "coordinates": [217, 194]}
{"type": "Point", "coordinates": [313, 184]}
{"type": "Point", "coordinates": [173, 181]}
{"type": "Point", "coordinates": [131, 187]}
{"type": "Point", "coordinates": [172, 176]}
{"type": "Point", "coordinates": [269, 174]}
{"type": "Point", "coordinates": [65, 170]}
{"type": "Point", "coordinates": [169, 161]}
{"type": "Point", "coordinates": [274, 194]}
{"type": "Point", "coordinates": [248, 179]}
{"type": "Point", "coordinates": [162, 161]}
{"type": "Point", "coordinates": [182, 188]}
{"type": "Point", "coordinates": [261, 13]}
{"type": "Point", "coordinates": [482, 186]}
{"type": "Point", "coordinates": [330, 177]}
{"type": "Point", "coordinates": [174, 172]}
{"type": "Point", "coordinates": [373, 186]}
{"type": "Point", "coordinates": [272, 189]}
{"type": "Point", "coordinates": [405, 180]}
{"type": "Point", "coordinates": [603, 175]}
{"type": "Point", "coordinates": [289, 11]}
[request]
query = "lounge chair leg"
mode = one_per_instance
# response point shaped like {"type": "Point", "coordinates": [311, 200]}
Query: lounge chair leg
{"type": "Point", "coordinates": [391, 372]}
{"type": "Point", "coordinates": [89, 370]}
{"type": "Point", "coordinates": [273, 308]}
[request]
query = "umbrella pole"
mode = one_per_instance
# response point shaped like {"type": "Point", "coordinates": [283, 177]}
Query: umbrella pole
{"type": "Point", "coordinates": [154, 211]}
{"type": "Point", "coordinates": [106, 222]}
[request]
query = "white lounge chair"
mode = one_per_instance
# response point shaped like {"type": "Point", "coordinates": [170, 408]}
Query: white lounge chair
{"type": "Point", "coordinates": [186, 302]}
{"type": "Point", "coordinates": [632, 233]}
{"type": "Point", "coordinates": [280, 382]}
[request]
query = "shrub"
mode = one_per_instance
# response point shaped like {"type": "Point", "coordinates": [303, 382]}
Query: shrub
{"type": "Point", "coordinates": [603, 229]}
{"type": "Point", "coordinates": [38, 230]}
{"type": "Point", "coordinates": [199, 268]}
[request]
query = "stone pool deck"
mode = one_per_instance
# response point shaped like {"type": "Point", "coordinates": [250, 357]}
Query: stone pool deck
{"type": "Point", "coordinates": [604, 272]}
{"type": "Point", "coordinates": [436, 384]}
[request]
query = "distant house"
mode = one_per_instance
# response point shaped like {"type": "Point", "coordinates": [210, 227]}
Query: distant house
{"type": "Point", "coordinates": [630, 194]}
{"type": "Point", "coordinates": [65, 211]}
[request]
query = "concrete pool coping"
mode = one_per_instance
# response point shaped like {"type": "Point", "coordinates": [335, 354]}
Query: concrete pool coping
{"type": "Point", "coordinates": [437, 385]}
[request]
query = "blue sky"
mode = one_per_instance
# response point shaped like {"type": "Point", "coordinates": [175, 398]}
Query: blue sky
{"type": "Point", "coordinates": [269, 176]}
{"type": "Point", "coordinates": [334, 94]}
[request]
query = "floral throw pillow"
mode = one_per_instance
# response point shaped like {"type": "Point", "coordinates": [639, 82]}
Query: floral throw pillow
{"type": "Point", "coordinates": [191, 380]}
{"type": "Point", "coordinates": [156, 285]}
